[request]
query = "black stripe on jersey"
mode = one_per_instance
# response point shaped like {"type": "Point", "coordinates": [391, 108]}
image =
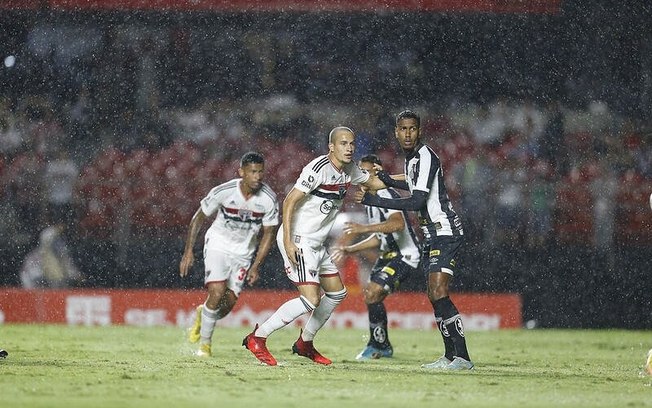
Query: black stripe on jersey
{"type": "Point", "coordinates": [329, 196]}
{"type": "Point", "coordinates": [320, 164]}
{"type": "Point", "coordinates": [435, 175]}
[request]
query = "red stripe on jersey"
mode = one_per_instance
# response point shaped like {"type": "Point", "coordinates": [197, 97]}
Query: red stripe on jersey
{"type": "Point", "coordinates": [237, 211]}
{"type": "Point", "coordinates": [333, 187]}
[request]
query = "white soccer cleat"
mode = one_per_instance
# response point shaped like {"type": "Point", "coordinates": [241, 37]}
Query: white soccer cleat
{"type": "Point", "coordinates": [440, 364]}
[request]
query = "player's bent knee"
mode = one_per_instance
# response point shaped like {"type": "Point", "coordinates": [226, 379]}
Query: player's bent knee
{"type": "Point", "coordinates": [337, 296]}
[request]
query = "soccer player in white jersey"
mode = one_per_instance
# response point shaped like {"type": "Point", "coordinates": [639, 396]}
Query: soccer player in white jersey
{"type": "Point", "coordinates": [242, 207]}
{"type": "Point", "coordinates": [442, 230]}
{"type": "Point", "coordinates": [309, 211]}
{"type": "Point", "coordinates": [393, 236]}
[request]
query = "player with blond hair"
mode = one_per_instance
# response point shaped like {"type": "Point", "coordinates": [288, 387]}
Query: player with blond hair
{"type": "Point", "coordinates": [309, 211]}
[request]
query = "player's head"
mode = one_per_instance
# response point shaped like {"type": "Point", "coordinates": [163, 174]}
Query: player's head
{"type": "Point", "coordinates": [252, 168]}
{"type": "Point", "coordinates": [408, 129]}
{"type": "Point", "coordinates": [408, 114]}
{"type": "Point", "coordinates": [251, 157]}
{"type": "Point", "coordinates": [341, 145]}
{"type": "Point", "coordinates": [367, 163]}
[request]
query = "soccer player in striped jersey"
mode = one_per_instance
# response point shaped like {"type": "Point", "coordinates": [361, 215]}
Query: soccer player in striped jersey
{"type": "Point", "coordinates": [309, 212]}
{"type": "Point", "coordinates": [442, 230]}
{"type": "Point", "coordinates": [393, 236]}
{"type": "Point", "coordinates": [242, 207]}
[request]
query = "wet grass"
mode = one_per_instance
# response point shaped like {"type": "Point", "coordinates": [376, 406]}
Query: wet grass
{"type": "Point", "coordinates": [62, 366]}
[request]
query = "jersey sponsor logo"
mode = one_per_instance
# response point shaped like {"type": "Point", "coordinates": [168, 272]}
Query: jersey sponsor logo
{"type": "Point", "coordinates": [308, 183]}
{"type": "Point", "coordinates": [327, 206]}
{"type": "Point", "coordinates": [435, 252]}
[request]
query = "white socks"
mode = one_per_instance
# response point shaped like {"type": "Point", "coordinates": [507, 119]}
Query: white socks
{"type": "Point", "coordinates": [284, 315]}
{"type": "Point", "coordinates": [322, 313]}
{"type": "Point", "coordinates": [208, 319]}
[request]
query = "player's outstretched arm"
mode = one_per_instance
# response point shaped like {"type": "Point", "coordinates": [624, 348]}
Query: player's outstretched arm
{"type": "Point", "coordinates": [193, 230]}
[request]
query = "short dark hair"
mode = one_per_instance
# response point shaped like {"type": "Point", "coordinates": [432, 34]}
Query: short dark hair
{"type": "Point", "coordinates": [408, 114]}
{"type": "Point", "coordinates": [251, 157]}
{"type": "Point", "coordinates": [371, 158]}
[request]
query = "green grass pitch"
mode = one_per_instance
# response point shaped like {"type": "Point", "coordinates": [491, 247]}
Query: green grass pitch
{"type": "Point", "coordinates": [122, 366]}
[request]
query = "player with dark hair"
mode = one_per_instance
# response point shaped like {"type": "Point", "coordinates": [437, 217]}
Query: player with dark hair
{"type": "Point", "coordinates": [393, 236]}
{"type": "Point", "coordinates": [309, 211]}
{"type": "Point", "coordinates": [442, 230]}
{"type": "Point", "coordinates": [241, 207]}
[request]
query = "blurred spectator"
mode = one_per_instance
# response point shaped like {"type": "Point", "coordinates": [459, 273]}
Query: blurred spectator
{"type": "Point", "coordinates": [24, 187]}
{"type": "Point", "coordinates": [11, 137]}
{"type": "Point", "coordinates": [61, 174]}
{"type": "Point", "coordinates": [551, 145]}
{"type": "Point", "coordinates": [540, 196]}
{"type": "Point", "coordinates": [604, 188]}
{"type": "Point", "coordinates": [50, 265]}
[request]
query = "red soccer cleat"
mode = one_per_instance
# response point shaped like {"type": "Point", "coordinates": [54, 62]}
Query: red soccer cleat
{"type": "Point", "coordinates": [258, 346]}
{"type": "Point", "coordinates": [306, 349]}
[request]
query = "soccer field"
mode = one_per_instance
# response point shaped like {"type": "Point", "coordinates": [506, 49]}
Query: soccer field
{"type": "Point", "coordinates": [124, 366]}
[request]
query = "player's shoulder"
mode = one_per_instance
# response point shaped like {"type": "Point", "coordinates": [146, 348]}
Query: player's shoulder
{"type": "Point", "coordinates": [224, 187]}
{"type": "Point", "coordinates": [318, 164]}
{"type": "Point", "coordinates": [268, 192]}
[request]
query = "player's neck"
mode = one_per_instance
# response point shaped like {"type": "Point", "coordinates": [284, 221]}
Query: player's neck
{"type": "Point", "coordinates": [246, 191]}
{"type": "Point", "coordinates": [336, 163]}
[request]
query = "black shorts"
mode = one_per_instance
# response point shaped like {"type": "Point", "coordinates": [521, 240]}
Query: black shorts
{"type": "Point", "coordinates": [440, 254]}
{"type": "Point", "coordinates": [390, 273]}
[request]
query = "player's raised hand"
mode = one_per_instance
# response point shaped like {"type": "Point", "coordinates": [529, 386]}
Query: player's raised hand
{"type": "Point", "coordinates": [358, 196]}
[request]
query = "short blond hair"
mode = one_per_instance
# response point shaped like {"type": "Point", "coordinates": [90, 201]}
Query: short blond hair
{"type": "Point", "coordinates": [337, 129]}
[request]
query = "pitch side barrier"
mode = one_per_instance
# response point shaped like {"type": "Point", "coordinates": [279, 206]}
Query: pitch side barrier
{"type": "Point", "coordinates": [177, 308]}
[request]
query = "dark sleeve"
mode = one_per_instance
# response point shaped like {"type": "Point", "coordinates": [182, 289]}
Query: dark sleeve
{"type": "Point", "coordinates": [413, 203]}
{"type": "Point", "coordinates": [390, 182]}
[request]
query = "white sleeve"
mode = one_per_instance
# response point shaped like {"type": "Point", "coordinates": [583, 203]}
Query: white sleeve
{"type": "Point", "coordinates": [308, 180]}
{"type": "Point", "coordinates": [358, 176]}
{"type": "Point", "coordinates": [212, 201]}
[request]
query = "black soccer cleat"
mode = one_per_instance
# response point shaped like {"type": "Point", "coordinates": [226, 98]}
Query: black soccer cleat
{"type": "Point", "coordinates": [3, 354]}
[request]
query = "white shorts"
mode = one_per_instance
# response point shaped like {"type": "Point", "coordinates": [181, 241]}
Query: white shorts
{"type": "Point", "coordinates": [314, 262]}
{"type": "Point", "coordinates": [222, 267]}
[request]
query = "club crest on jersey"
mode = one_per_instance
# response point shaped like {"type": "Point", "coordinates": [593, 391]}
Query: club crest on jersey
{"type": "Point", "coordinates": [326, 207]}
{"type": "Point", "coordinates": [245, 215]}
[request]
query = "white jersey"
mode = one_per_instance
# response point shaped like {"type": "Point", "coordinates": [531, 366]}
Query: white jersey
{"type": "Point", "coordinates": [238, 220]}
{"type": "Point", "coordinates": [404, 241]}
{"type": "Point", "coordinates": [325, 187]}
